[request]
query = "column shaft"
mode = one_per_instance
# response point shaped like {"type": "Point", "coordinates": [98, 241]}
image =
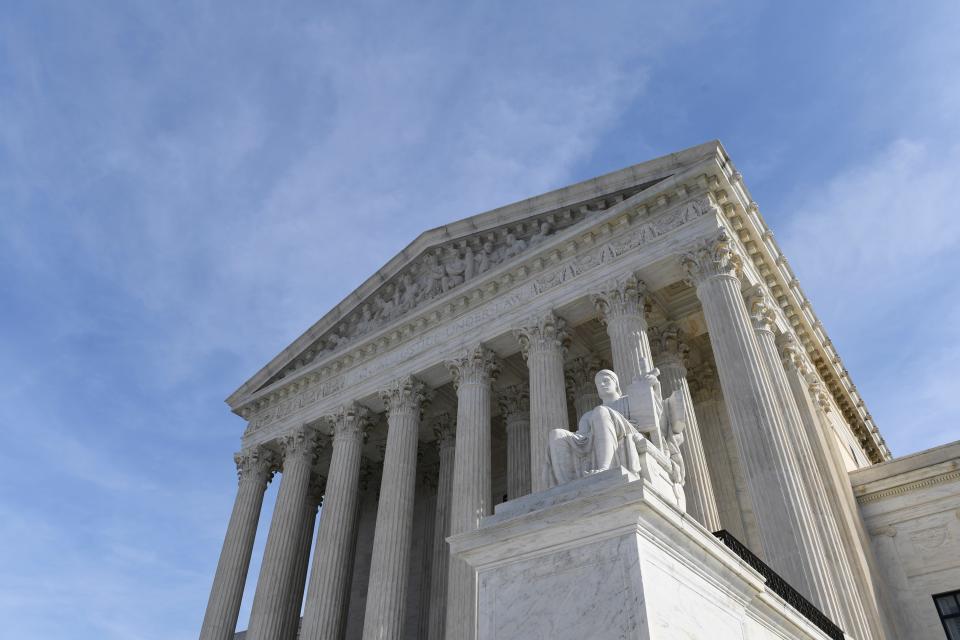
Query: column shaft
{"type": "Point", "coordinates": [515, 407]}
{"type": "Point", "coordinates": [298, 578]}
{"type": "Point", "coordinates": [780, 503]}
{"type": "Point", "coordinates": [325, 614]}
{"type": "Point", "coordinates": [386, 595]}
{"type": "Point", "coordinates": [543, 342]}
{"type": "Point", "coordinates": [255, 468]}
{"type": "Point", "coordinates": [441, 529]}
{"type": "Point", "coordinates": [270, 602]}
{"type": "Point", "coordinates": [621, 307]}
{"type": "Point", "coordinates": [701, 503]}
{"type": "Point", "coordinates": [470, 500]}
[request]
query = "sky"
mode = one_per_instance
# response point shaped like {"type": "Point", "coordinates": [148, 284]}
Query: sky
{"type": "Point", "coordinates": [185, 187]}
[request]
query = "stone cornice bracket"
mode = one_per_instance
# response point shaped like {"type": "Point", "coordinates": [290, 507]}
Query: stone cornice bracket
{"type": "Point", "coordinates": [544, 333]}
{"type": "Point", "coordinates": [256, 463]}
{"type": "Point", "coordinates": [668, 346]}
{"type": "Point", "coordinates": [715, 257]}
{"type": "Point", "coordinates": [760, 307]}
{"type": "Point", "coordinates": [406, 395]}
{"type": "Point", "coordinates": [625, 296]}
{"type": "Point", "coordinates": [444, 431]}
{"type": "Point", "coordinates": [478, 365]}
{"type": "Point", "coordinates": [352, 420]}
{"type": "Point", "coordinates": [514, 400]}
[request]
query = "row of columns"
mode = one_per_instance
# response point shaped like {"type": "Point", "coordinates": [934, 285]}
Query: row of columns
{"type": "Point", "coordinates": [766, 471]}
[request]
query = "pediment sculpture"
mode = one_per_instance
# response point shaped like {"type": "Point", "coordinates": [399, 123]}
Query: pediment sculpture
{"type": "Point", "coordinates": [639, 431]}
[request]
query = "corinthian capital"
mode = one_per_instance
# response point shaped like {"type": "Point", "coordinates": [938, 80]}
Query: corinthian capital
{"type": "Point", "coordinates": [580, 372]}
{"type": "Point", "coordinates": [257, 463]}
{"type": "Point", "coordinates": [792, 355]}
{"type": "Point", "coordinates": [444, 431]}
{"type": "Point", "coordinates": [711, 258]}
{"type": "Point", "coordinates": [761, 309]}
{"type": "Point", "coordinates": [351, 421]}
{"type": "Point", "coordinates": [514, 400]}
{"type": "Point", "coordinates": [621, 297]}
{"type": "Point", "coordinates": [704, 384]}
{"type": "Point", "coordinates": [478, 365]}
{"type": "Point", "coordinates": [668, 346]}
{"type": "Point", "coordinates": [545, 333]}
{"type": "Point", "coordinates": [304, 441]}
{"type": "Point", "coordinates": [405, 395]}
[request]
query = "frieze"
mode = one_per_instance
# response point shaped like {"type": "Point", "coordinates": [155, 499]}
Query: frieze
{"type": "Point", "coordinates": [643, 233]}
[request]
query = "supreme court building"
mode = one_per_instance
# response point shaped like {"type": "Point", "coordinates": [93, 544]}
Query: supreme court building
{"type": "Point", "coordinates": [732, 486]}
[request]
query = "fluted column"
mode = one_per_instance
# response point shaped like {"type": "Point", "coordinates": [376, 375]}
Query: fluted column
{"type": "Point", "coordinates": [446, 441]}
{"type": "Point", "coordinates": [386, 595]}
{"type": "Point", "coordinates": [270, 602]}
{"type": "Point", "coordinates": [254, 470]}
{"type": "Point", "coordinates": [851, 565]}
{"type": "Point", "coordinates": [733, 501]}
{"type": "Point", "coordinates": [325, 614]}
{"type": "Point", "coordinates": [671, 357]}
{"type": "Point", "coordinates": [780, 503]}
{"type": "Point", "coordinates": [515, 407]}
{"type": "Point", "coordinates": [621, 309]}
{"type": "Point", "coordinates": [850, 617]}
{"type": "Point", "coordinates": [370, 474]}
{"type": "Point", "coordinates": [470, 501]}
{"type": "Point", "coordinates": [298, 579]}
{"type": "Point", "coordinates": [580, 384]}
{"type": "Point", "coordinates": [543, 342]}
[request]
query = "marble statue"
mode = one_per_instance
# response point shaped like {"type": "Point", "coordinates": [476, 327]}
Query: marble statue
{"type": "Point", "coordinates": [608, 435]}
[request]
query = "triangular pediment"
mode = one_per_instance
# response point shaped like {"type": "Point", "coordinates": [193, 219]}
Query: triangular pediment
{"type": "Point", "coordinates": [442, 260]}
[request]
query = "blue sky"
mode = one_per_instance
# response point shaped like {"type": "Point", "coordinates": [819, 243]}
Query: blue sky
{"type": "Point", "coordinates": [186, 186]}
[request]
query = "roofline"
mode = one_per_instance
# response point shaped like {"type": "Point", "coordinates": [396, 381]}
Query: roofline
{"type": "Point", "coordinates": [662, 167]}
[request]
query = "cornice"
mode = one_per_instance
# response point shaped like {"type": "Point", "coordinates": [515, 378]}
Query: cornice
{"type": "Point", "coordinates": [627, 225]}
{"type": "Point", "coordinates": [638, 177]}
{"type": "Point", "coordinates": [755, 240]}
{"type": "Point", "coordinates": [908, 487]}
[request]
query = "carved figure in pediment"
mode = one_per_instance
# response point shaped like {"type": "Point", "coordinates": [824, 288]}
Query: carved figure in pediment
{"type": "Point", "coordinates": [514, 246]}
{"type": "Point", "coordinates": [431, 278]}
{"type": "Point", "coordinates": [454, 269]}
{"type": "Point", "coordinates": [335, 339]}
{"type": "Point", "coordinates": [366, 320]}
{"type": "Point", "coordinates": [388, 303]}
{"type": "Point", "coordinates": [469, 262]}
{"type": "Point", "coordinates": [485, 258]}
{"type": "Point", "coordinates": [409, 292]}
{"type": "Point", "coordinates": [546, 230]}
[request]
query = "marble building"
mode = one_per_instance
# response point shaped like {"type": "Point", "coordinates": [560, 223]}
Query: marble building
{"type": "Point", "coordinates": [453, 462]}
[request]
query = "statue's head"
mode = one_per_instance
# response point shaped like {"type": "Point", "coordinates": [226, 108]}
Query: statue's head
{"type": "Point", "coordinates": [608, 385]}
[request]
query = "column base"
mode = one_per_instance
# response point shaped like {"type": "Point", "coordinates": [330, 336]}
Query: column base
{"type": "Point", "coordinates": [609, 557]}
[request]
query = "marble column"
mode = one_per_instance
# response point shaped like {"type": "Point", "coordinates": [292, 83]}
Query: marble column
{"type": "Point", "coordinates": [515, 408]}
{"type": "Point", "coordinates": [671, 358]}
{"type": "Point", "coordinates": [841, 580]}
{"type": "Point", "coordinates": [370, 474]}
{"type": "Point", "coordinates": [446, 442]}
{"type": "Point", "coordinates": [783, 511]}
{"type": "Point", "coordinates": [543, 342]}
{"type": "Point", "coordinates": [298, 579]}
{"type": "Point", "coordinates": [733, 500]}
{"type": "Point", "coordinates": [254, 469]}
{"type": "Point", "coordinates": [583, 390]}
{"type": "Point", "coordinates": [470, 500]}
{"type": "Point", "coordinates": [621, 309]}
{"type": "Point", "coordinates": [283, 542]}
{"type": "Point", "coordinates": [325, 614]}
{"type": "Point", "coordinates": [857, 587]}
{"type": "Point", "coordinates": [386, 595]}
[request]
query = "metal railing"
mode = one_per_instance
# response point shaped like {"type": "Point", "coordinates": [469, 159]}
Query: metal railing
{"type": "Point", "coordinates": [781, 587]}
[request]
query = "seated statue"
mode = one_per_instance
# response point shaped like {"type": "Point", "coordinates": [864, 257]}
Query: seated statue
{"type": "Point", "coordinates": [616, 432]}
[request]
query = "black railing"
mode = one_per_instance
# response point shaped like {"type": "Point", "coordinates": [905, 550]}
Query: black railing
{"type": "Point", "coordinates": [781, 587]}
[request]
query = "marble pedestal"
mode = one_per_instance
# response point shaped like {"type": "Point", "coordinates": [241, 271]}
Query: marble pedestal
{"type": "Point", "coordinates": [608, 557]}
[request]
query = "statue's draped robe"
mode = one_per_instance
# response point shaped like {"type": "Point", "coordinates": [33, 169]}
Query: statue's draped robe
{"type": "Point", "coordinates": [604, 439]}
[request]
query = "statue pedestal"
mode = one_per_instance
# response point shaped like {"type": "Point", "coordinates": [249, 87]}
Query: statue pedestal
{"type": "Point", "coordinates": [607, 557]}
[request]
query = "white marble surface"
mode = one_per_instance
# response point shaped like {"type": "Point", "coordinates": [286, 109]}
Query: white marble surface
{"type": "Point", "coordinates": [605, 557]}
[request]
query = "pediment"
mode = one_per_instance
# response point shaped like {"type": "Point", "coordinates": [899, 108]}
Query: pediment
{"type": "Point", "coordinates": [443, 260]}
